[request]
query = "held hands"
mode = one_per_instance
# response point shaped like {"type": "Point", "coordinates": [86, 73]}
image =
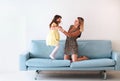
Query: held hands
{"type": "Point", "coordinates": [61, 29]}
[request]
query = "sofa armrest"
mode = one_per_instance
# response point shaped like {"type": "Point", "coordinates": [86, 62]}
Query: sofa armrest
{"type": "Point", "coordinates": [116, 57]}
{"type": "Point", "coordinates": [22, 61]}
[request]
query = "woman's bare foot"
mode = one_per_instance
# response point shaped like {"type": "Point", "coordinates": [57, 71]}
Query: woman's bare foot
{"type": "Point", "coordinates": [85, 58]}
{"type": "Point", "coordinates": [82, 58]}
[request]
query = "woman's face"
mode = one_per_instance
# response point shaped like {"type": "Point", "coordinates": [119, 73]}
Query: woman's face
{"type": "Point", "coordinates": [76, 22]}
{"type": "Point", "coordinates": [59, 20]}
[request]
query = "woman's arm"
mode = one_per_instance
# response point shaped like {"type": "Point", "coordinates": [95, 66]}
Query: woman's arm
{"type": "Point", "coordinates": [74, 34]}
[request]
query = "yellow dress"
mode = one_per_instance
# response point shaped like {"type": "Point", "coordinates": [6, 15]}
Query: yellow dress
{"type": "Point", "coordinates": [53, 37]}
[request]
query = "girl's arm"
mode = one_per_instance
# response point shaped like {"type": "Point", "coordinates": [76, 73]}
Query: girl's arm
{"type": "Point", "coordinates": [54, 26]}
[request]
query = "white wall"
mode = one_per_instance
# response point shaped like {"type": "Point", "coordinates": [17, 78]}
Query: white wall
{"type": "Point", "coordinates": [24, 20]}
{"type": "Point", "coordinates": [102, 18]}
{"type": "Point", "coordinates": [12, 35]}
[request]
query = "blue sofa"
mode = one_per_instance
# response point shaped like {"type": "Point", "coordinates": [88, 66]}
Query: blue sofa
{"type": "Point", "coordinates": [101, 57]}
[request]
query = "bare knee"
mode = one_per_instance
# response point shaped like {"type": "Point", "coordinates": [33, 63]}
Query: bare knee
{"type": "Point", "coordinates": [66, 57]}
{"type": "Point", "coordinates": [74, 58]}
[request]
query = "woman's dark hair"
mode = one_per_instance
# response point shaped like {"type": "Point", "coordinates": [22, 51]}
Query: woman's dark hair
{"type": "Point", "coordinates": [81, 20]}
{"type": "Point", "coordinates": [55, 20]}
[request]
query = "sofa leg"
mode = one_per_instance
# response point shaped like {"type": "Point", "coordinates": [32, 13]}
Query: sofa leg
{"type": "Point", "coordinates": [36, 74]}
{"type": "Point", "coordinates": [103, 74]}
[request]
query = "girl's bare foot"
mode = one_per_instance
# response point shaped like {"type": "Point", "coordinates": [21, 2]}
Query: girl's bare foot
{"type": "Point", "coordinates": [52, 57]}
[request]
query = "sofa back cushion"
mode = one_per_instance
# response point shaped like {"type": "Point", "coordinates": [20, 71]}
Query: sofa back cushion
{"type": "Point", "coordinates": [90, 48]}
{"type": "Point", "coordinates": [95, 48]}
{"type": "Point", "coordinates": [39, 49]}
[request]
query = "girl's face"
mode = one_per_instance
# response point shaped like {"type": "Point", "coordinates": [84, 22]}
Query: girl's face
{"type": "Point", "coordinates": [77, 22]}
{"type": "Point", "coordinates": [59, 20]}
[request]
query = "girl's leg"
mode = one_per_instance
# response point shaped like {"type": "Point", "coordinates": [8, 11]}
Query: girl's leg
{"type": "Point", "coordinates": [52, 55]}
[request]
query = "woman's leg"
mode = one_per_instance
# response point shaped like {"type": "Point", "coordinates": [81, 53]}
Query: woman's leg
{"type": "Point", "coordinates": [82, 58]}
{"type": "Point", "coordinates": [66, 57]}
{"type": "Point", "coordinates": [75, 58]}
{"type": "Point", "coordinates": [52, 55]}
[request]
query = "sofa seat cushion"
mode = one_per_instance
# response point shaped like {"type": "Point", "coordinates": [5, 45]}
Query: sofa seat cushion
{"type": "Point", "coordinates": [93, 63]}
{"type": "Point", "coordinates": [39, 62]}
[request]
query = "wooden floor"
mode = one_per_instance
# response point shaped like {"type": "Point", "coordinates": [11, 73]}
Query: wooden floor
{"type": "Point", "coordinates": [59, 75]}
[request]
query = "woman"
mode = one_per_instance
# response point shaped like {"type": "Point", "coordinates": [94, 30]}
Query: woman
{"type": "Point", "coordinates": [71, 46]}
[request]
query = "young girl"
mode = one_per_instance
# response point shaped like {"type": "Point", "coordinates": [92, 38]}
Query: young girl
{"type": "Point", "coordinates": [53, 35]}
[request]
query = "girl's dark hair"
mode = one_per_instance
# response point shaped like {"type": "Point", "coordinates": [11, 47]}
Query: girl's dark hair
{"type": "Point", "coordinates": [80, 20]}
{"type": "Point", "coordinates": [55, 20]}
